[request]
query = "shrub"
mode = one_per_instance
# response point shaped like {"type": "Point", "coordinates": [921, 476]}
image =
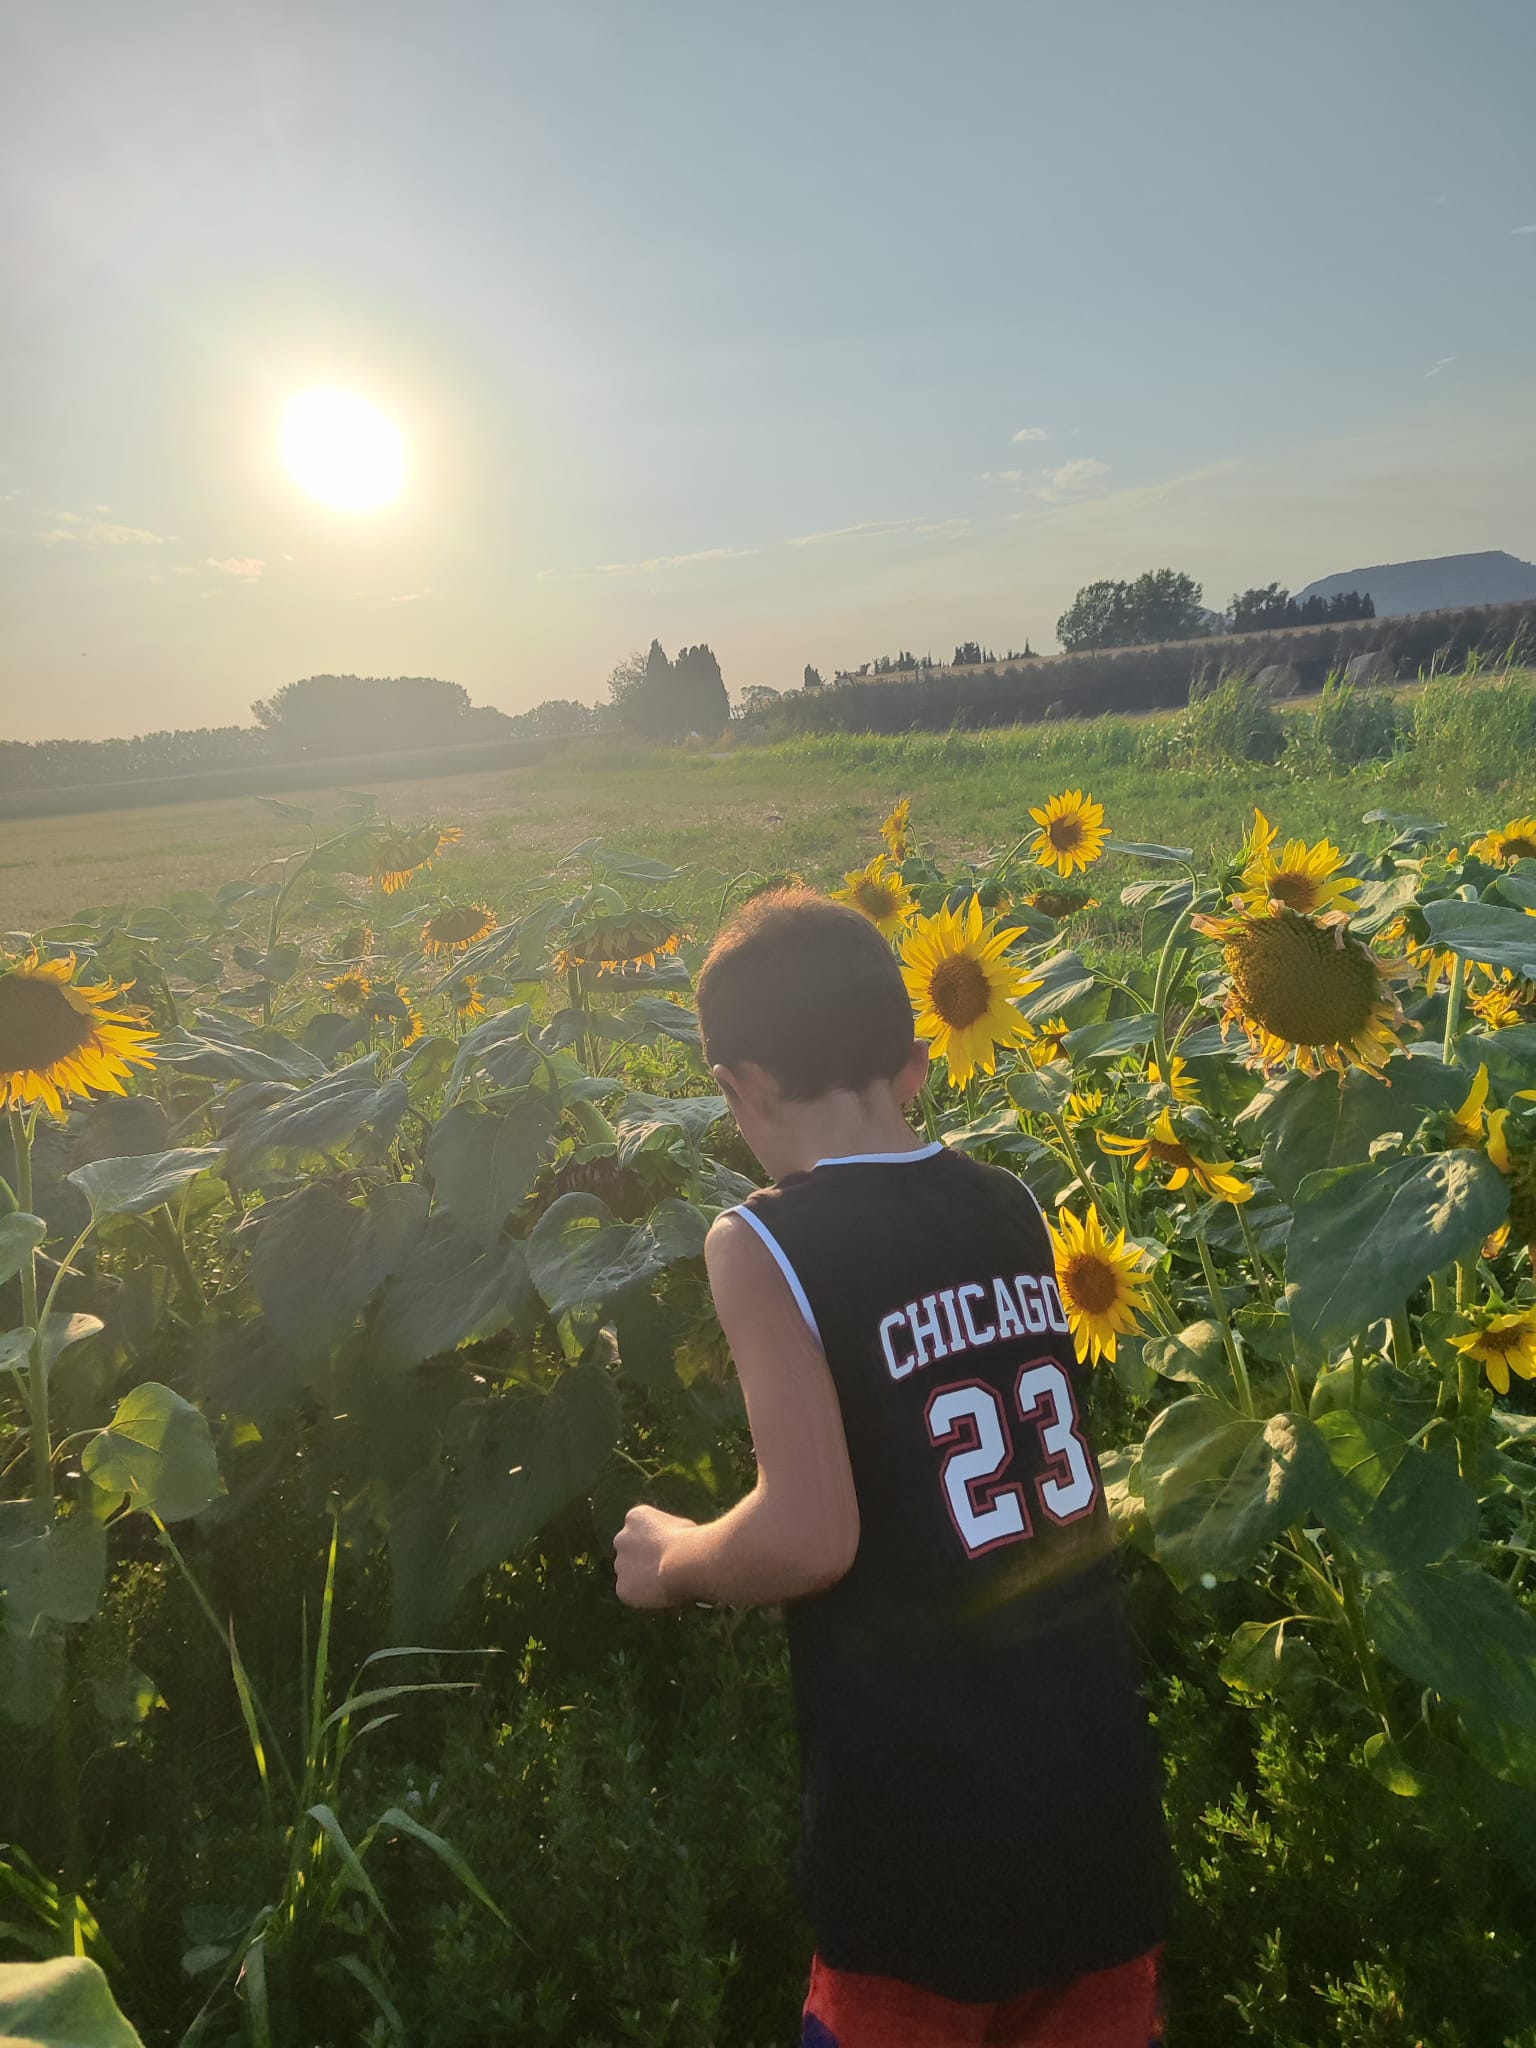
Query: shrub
{"type": "Point", "coordinates": [1234, 719]}
{"type": "Point", "coordinates": [1352, 724]}
{"type": "Point", "coordinates": [1483, 733]}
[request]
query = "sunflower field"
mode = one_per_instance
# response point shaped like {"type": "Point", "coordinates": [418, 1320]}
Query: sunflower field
{"type": "Point", "coordinates": [351, 1291]}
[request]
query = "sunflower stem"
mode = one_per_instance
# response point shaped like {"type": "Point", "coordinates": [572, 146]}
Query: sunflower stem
{"type": "Point", "coordinates": [1228, 1335]}
{"type": "Point", "coordinates": [1403, 1346]}
{"type": "Point", "coordinates": [1453, 1003]}
{"type": "Point", "coordinates": [1360, 1643]}
{"type": "Point", "coordinates": [37, 1372]}
{"type": "Point", "coordinates": [1469, 1407]}
{"type": "Point", "coordinates": [1260, 1268]}
{"type": "Point", "coordinates": [1166, 975]}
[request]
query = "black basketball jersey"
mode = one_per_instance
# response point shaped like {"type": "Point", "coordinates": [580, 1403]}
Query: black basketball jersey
{"type": "Point", "coordinates": [979, 1797]}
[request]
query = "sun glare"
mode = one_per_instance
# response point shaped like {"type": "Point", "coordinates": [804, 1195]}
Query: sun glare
{"type": "Point", "coordinates": [342, 450]}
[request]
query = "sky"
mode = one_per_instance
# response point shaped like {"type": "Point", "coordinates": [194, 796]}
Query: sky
{"type": "Point", "coordinates": [814, 330]}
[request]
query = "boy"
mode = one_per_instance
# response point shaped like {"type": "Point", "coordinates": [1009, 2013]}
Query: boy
{"type": "Point", "coordinates": [982, 1856]}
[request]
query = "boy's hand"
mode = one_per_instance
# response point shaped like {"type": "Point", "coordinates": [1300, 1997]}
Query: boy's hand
{"type": "Point", "coordinates": [639, 1550]}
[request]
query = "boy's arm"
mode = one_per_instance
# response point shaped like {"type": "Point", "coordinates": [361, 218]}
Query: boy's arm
{"type": "Point", "coordinates": [797, 1531]}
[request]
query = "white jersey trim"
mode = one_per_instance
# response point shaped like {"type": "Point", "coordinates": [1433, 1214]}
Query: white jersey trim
{"type": "Point", "coordinates": [883, 1158]}
{"type": "Point", "coordinates": [781, 1261]}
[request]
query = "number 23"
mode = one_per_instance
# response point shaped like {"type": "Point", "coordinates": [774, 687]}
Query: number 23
{"type": "Point", "coordinates": [985, 1508]}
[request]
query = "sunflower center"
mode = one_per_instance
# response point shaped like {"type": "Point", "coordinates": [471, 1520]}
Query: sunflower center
{"type": "Point", "coordinates": [1093, 1284]}
{"type": "Point", "coordinates": [876, 899]}
{"type": "Point", "coordinates": [1503, 1342]}
{"type": "Point", "coordinates": [38, 1024]}
{"type": "Point", "coordinates": [1298, 890]}
{"type": "Point", "coordinates": [960, 991]}
{"type": "Point", "coordinates": [1169, 1152]}
{"type": "Point", "coordinates": [1065, 834]}
{"type": "Point", "coordinates": [457, 927]}
{"type": "Point", "coordinates": [1518, 848]}
{"type": "Point", "coordinates": [1304, 985]}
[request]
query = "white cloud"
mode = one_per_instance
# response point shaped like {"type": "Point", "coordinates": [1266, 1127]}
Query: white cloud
{"type": "Point", "coordinates": [1001, 476]}
{"type": "Point", "coordinates": [1531, 230]}
{"type": "Point", "coordinates": [246, 567]}
{"type": "Point", "coordinates": [1443, 364]}
{"type": "Point", "coordinates": [866, 529]}
{"type": "Point", "coordinates": [55, 534]}
{"type": "Point", "coordinates": [650, 568]}
{"type": "Point", "coordinates": [412, 596]}
{"type": "Point", "coordinates": [1071, 476]}
{"type": "Point", "coordinates": [950, 528]}
{"type": "Point", "coordinates": [106, 536]}
{"type": "Point", "coordinates": [1031, 434]}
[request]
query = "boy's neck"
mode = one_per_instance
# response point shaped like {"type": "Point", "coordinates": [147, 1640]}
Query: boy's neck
{"type": "Point", "coordinates": [839, 1126]}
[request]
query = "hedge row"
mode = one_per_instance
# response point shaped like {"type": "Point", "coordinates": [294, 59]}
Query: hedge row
{"type": "Point", "coordinates": [1142, 678]}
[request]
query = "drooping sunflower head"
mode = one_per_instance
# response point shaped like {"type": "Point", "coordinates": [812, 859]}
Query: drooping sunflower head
{"type": "Point", "coordinates": [60, 1037]}
{"type": "Point", "coordinates": [356, 943]}
{"type": "Point", "coordinates": [1504, 1342]}
{"type": "Point", "coordinates": [1300, 877]}
{"type": "Point", "coordinates": [400, 853]}
{"type": "Point", "coordinates": [963, 988]}
{"type": "Point", "coordinates": [349, 991]}
{"type": "Point", "coordinates": [621, 944]}
{"type": "Point", "coordinates": [468, 999]}
{"type": "Point", "coordinates": [1517, 841]}
{"type": "Point", "coordinates": [1102, 1283]}
{"type": "Point", "coordinates": [1164, 1147]}
{"type": "Point", "coordinates": [879, 892]}
{"type": "Point", "coordinates": [1306, 990]}
{"type": "Point", "coordinates": [392, 1005]}
{"type": "Point", "coordinates": [1060, 903]}
{"type": "Point", "coordinates": [457, 926]}
{"type": "Point", "coordinates": [1465, 1127]}
{"type": "Point", "coordinates": [1084, 1104]}
{"type": "Point", "coordinates": [896, 828]}
{"type": "Point", "coordinates": [1072, 832]}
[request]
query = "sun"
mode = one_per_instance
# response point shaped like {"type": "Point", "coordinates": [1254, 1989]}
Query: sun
{"type": "Point", "coordinates": [343, 451]}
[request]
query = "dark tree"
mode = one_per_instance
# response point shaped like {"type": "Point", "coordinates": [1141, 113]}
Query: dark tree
{"type": "Point", "coordinates": [326, 715]}
{"type": "Point", "coordinates": [757, 697]}
{"type": "Point", "coordinates": [1163, 604]}
{"type": "Point", "coordinates": [814, 679]}
{"type": "Point", "coordinates": [703, 702]}
{"type": "Point", "coordinates": [1266, 610]}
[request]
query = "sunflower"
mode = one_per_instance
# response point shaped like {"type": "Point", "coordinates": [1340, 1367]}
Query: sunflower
{"type": "Point", "coordinates": [617, 945]}
{"type": "Point", "coordinates": [1306, 988]}
{"type": "Point", "coordinates": [880, 893]}
{"type": "Point", "coordinates": [1101, 1283]}
{"type": "Point", "coordinates": [349, 991]}
{"type": "Point", "coordinates": [1072, 832]}
{"type": "Point", "coordinates": [356, 942]}
{"type": "Point", "coordinates": [1050, 1040]}
{"type": "Point", "coordinates": [1083, 1104]}
{"type": "Point", "coordinates": [468, 999]}
{"type": "Point", "coordinates": [1515, 1157]}
{"type": "Point", "coordinates": [1060, 903]}
{"type": "Point", "coordinates": [1162, 1146]}
{"type": "Point", "coordinates": [1433, 965]}
{"type": "Point", "coordinates": [393, 1005]}
{"type": "Point", "coordinates": [1466, 1129]}
{"type": "Point", "coordinates": [1181, 1084]}
{"type": "Point", "coordinates": [963, 988]}
{"type": "Point", "coordinates": [62, 1037]}
{"type": "Point", "coordinates": [399, 854]}
{"type": "Point", "coordinates": [1301, 877]}
{"type": "Point", "coordinates": [896, 828]}
{"type": "Point", "coordinates": [450, 931]}
{"type": "Point", "coordinates": [1503, 1004]}
{"type": "Point", "coordinates": [1504, 1343]}
{"type": "Point", "coordinates": [1516, 842]}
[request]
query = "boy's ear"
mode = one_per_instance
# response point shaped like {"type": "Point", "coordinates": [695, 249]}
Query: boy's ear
{"type": "Point", "coordinates": [915, 1072]}
{"type": "Point", "coordinates": [747, 1086]}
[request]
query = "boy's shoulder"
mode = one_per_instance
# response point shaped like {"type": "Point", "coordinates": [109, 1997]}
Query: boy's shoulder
{"type": "Point", "coordinates": [838, 1187]}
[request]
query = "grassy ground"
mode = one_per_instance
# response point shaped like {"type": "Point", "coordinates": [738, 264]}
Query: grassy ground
{"type": "Point", "coordinates": [811, 805]}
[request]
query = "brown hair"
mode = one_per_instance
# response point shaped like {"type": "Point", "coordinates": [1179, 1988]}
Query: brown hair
{"type": "Point", "coordinates": [809, 991]}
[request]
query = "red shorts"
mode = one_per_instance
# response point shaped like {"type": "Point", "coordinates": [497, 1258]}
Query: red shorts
{"type": "Point", "coordinates": [1116, 2008]}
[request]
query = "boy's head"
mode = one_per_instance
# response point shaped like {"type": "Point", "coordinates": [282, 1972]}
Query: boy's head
{"type": "Point", "coordinates": [801, 999]}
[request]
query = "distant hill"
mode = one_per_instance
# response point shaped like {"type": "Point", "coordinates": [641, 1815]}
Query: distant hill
{"type": "Point", "coordinates": [1441, 584]}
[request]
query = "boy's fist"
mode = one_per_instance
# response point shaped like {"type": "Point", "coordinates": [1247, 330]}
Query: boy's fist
{"type": "Point", "coordinates": [639, 1551]}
